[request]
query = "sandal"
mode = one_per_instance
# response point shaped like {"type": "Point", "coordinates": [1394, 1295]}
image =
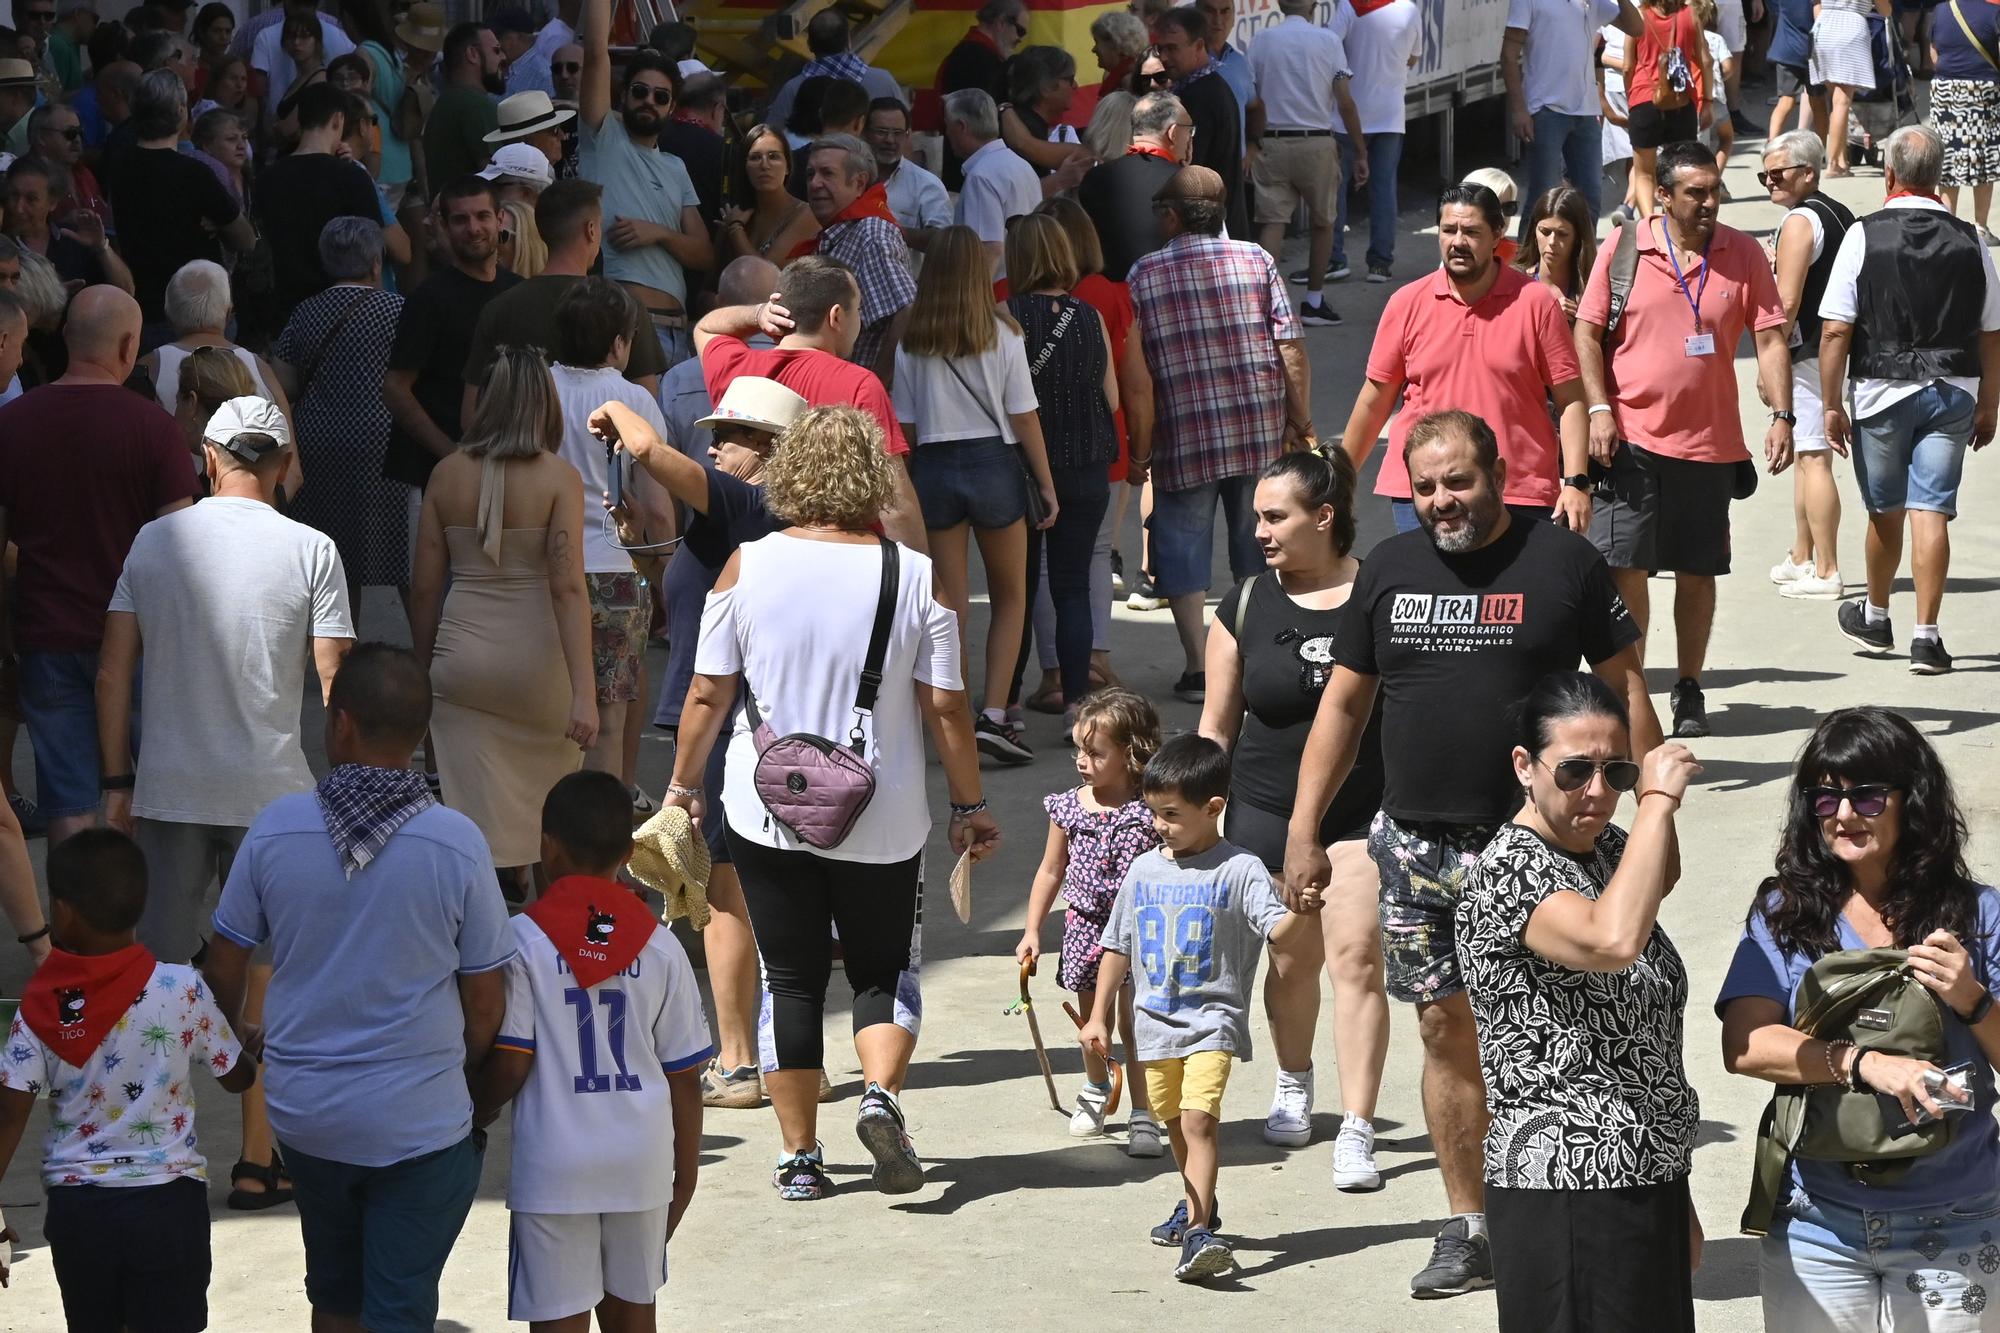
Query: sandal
{"type": "Point", "coordinates": [271, 1196]}
{"type": "Point", "coordinates": [1048, 700]}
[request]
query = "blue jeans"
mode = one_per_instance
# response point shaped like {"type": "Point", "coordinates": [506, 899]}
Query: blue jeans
{"type": "Point", "coordinates": [1082, 496]}
{"type": "Point", "coordinates": [1830, 1269]}
{"type": "Point", "coordinates": [59, 706]}
{"type": "Point", "coordinates": [1385, 154]}
{"type": "Point", "coordinates": [1911, 453]}
{"type": "Point", "coordinates": [1183, 526]}
{"type": "Point", "coordinates": [1571, 146]}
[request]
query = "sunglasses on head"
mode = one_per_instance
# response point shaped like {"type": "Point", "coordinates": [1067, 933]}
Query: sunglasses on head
{"type": "Point", "coordinates": [506, 235]}
{"type": "Point", "coordinates": [659, 94]}
{"type": "Point", "coordinates": [1575, 774]}
{"type": "Point", "coordinates": [1869, 799]}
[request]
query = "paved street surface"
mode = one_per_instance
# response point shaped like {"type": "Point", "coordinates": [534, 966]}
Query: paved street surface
{"type": "Point", "coordinates": [1018, 1226]}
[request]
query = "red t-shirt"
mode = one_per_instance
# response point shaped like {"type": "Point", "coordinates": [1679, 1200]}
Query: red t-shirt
{"type": "Point", "coordinates": [82, 468]}
{"type": "Point", "coordinates": [1496, 359]}
{"type": "Point", "coordinates": [1113, 301]}
{"type": "Point", "coordinates": [821, 378]}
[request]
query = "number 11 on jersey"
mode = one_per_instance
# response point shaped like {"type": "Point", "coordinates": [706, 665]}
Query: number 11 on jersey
{"type": "Point", "coordinates": [587, 1077]}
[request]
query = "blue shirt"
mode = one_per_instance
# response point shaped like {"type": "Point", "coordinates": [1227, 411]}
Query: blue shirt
{"type": "Point", "coordinates": [89, 116]}
{"type": "Point", "coordinates": [364, 1034]}
{"type": "Point", "coordinates": [642, 183]}
{"type": "Point", "coordinates": [1969, 1165]}
{"type": "Point", "coordinates": [1234, 67]}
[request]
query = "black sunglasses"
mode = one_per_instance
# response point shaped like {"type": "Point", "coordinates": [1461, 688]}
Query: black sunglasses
{"type": "Point", "coordinates": [1869, 799]}
{"type": "Point", "coordinates": [659, 94]}
{"type": "Point", "coordinates": [1769, 178]}
{"type": "Point", "coordinates": [1575, 774]}
{"type": "Point", "coordinates": [1159, 80]}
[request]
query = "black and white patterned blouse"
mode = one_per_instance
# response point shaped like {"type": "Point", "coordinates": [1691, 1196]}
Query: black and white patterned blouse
{"type": "Point", "coordinates": [1583, 1069]}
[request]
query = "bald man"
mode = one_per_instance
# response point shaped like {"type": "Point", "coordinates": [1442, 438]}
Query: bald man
{"type": "Point", "coordinates": [683, 395]}
{"type": "Point", "coordinates": [84, 464]}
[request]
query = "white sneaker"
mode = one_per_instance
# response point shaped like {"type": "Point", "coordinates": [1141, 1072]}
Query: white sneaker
{"type": "Point", "coordinates": [1290, 1123]}
{"type": "Point", "coordinates": [1812, 585]}
{"type": "Point", "coordinates": [1087, 1122]}
{"type": "Point", "coordinates": [1786, 571]}
{"type": "Point", "coordinates": [1142, 1136]}
{"type": "Point", "coordinates": [1354, 1167]}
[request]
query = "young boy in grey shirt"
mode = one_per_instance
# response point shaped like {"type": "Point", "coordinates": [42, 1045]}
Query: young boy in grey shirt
{"type": "Point", "coordinates": [1195, 913]}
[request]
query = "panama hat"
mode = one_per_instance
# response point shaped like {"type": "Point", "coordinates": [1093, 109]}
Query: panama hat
{"type": "Point", "coordinates": [16, 73]}
{"type": "Point", "coordinates": [525, 113]}
{"type": "Point", "coordinates": [423, 27]}
{"type": "Point", "coordinates": [754, 401]}
{"type": "Point", "coordinates": [670, 857]}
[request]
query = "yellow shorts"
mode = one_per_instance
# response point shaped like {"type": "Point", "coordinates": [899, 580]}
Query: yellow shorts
{"type": "Point", "coordinates": [1188, 1083]}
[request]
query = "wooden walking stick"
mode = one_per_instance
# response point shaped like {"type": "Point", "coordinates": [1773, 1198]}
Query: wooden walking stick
{"type": "Point", "coordinates": [1024, 1005]}
{"type": "Point", "coordinates": [1117, 1070]}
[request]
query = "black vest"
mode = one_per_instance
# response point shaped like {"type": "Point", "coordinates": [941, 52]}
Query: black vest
{"type": "Point", "coordinates": [1922, 286]}
{"type": "Point", "coordinates": [1834, 220]}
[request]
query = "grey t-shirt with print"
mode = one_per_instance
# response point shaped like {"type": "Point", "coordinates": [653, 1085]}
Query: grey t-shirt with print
{"type": "Point", "coordinates": [1193, 929]}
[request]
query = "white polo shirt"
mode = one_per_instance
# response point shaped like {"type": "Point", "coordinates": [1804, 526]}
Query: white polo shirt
{"type": "Point", "coordinates": [1558, 64]}
{"type": "Point", "coordinates": [1380, 44]}
{"type": "Point", "coordinates": [1296, 64]}
{"type": "Point", "coordinates": [999, 184]}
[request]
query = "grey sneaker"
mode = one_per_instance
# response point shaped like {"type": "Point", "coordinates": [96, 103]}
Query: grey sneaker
{"type": "Point", "coordinates": [879, 1126]}
{"type": "Point", "coordinates": [731, 1089]}
{"type": "Point", "coordinates": [1459, 1263]}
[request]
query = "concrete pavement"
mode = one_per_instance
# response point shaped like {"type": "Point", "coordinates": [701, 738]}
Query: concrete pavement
{"type": "Point", "coordinates": [1019, 1226]}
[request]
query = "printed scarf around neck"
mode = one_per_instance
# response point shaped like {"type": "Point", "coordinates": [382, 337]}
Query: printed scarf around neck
{"type": "Point", "coordinates": [872, 202]}
{"type": "Point", "coordinates": [74, 1000]}
{"type": "Point", "coordinates": [597, 925]}
{"type": "Point", "coordinates": [363, 806]}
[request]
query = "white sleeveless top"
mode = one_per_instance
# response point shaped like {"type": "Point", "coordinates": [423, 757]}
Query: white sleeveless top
{"type": "Point", "coordinates": [167, 384]}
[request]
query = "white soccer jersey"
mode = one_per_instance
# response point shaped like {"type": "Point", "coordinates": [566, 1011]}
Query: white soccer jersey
{"type": "Point", "coordinates": [593, 1125]}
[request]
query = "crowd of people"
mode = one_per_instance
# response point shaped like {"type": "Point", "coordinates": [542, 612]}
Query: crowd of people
{"type": "Point", "coordinates": [564, 346]}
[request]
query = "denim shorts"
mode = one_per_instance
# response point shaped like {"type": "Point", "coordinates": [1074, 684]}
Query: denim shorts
{"type": "Point", "coordinates": [969, 481]}
{"type": "Point", "coordinates": [1183, 527]}
{"type": "Point", "coordinates": [1910, 454]}
{"type": "Point", "coordinates": [59, 705]}
{"type": "Point", "coordinates": [1829, 1267]}
{"type": "Point", "coordinates": [1424, 868]}
{"type": "Point", "coordinates": [377, 1237]}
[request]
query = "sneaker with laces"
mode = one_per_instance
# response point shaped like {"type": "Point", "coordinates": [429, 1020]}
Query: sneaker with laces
{"type": "Point", "coordinates": [1117, 573]}
{"type": "Point", "coordinates": [1192, 686]}
{"type": "Point", "coordinates": [1788, 569]}
{"type": "Point", "coordinates": [801, 1176]}
{"type": "Point", "coordinates": [644, 807]}
{"type": "Point", "coordinates": [33, 823]}
{"type": "Point", "coordinates": [1354, 1168]}
{"type": "Point", "coordinates": [732, 1089]}
{"type": "Point", "coordinates": [1203, 1255]}
{"type": "Point", "coordinates": [1290, 1123]}
{"type": "Point", "coordinates": [1855, 627]}
{"type": "Point", "coordinates": [1378, 273]}
{"type": "Point", "coordinates": [1460, 1262]}
{"type": "Point", "coordinates": [1174, 1230]}
{"type": "Point", "coordinates": [1142, 1136]}
{"type": "Point", "coordinates": [1318, 314]}
{"type": "Point", "coordinates": [1001, 740]}
{"type": "Point", "coordinates": [1690, 708]}
{"type": "Point", "coordinates": [1087, 1121]}
{"type": "Point", "coordinates": [1811, 586]}
{"type": "Point", "coordinates": [1144, 596]}
{"type": "Point", "coordinates": [880, 1127]}
{"type": "Point", "coordinates": [1928, 657]}
{"type": "Point", "coordinates": [1338, 271]}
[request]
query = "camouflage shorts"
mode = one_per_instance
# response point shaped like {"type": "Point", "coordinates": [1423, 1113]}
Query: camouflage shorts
{"type": "Point", "coordinates": [1423, 869]}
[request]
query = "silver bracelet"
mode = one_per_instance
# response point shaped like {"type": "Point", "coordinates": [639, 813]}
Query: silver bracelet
{"type": "Point", "coordinates": [967, 811]}
{"type": "Point", "coordinates": [675, 789]}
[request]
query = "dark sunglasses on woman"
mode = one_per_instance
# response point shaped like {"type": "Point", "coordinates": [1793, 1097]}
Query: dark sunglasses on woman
{"type": "Point", "coordinates": [1869, 799]}
{"type": "Point", "coordinates": [1575, 774]}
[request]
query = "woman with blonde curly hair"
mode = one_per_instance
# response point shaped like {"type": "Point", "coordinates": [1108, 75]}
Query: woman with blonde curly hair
{"type": "Point", "coordinates": [802, 656]}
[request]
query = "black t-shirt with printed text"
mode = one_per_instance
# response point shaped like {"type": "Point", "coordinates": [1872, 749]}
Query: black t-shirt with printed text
{"type": "Point", "coordinates": [1458, 641]}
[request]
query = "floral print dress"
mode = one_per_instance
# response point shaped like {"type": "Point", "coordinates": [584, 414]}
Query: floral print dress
{"type": "Point", "coordinates": [1103, 844]}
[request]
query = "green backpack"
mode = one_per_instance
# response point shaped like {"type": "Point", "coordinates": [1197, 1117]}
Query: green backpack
{"type": "Point", "coordinates": [1868, 997]}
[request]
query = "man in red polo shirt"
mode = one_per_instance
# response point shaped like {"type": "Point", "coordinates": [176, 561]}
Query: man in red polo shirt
{"type": "Point", "coordinates": [815, 315]}
{"type": "Point", "coordinates": [1669, 433]}
{"type": "Point", "coordinates": [1481, 337]}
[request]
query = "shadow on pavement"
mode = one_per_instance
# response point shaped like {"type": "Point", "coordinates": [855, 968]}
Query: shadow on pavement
{"type": "Point", "coordinates": [1304, 1247]}
{"type": "Point", "coordinates": [1728, 1269]}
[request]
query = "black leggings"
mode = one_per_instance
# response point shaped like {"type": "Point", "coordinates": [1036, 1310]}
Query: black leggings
{"type": "Point", "coordinates": [794, 899]}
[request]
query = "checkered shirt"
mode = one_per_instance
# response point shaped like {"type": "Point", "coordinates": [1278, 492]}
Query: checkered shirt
{"type": "Point", "coordinates": [1211, 314]}
{"type": "Point", "coordinates": [874, 249]}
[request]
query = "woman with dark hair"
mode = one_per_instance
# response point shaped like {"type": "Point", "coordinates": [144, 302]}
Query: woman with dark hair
{"type": "Point", "coordinates": [1041, 85]}
{"type": "Point", "coordinates": [1579, 997]}
{"type": "Point", "coordinates": [1872, 856]}
{"type": "Point", "coordinates": [214, 30]}
{"type": "Point", "coordinates": [765, 218]}
{"type": "Point", "coordinates": [1151, 76]}
{"type": "Point", "coordinates": [1561, 245]}
{"type": "Point", "coordinates": [1270, 654]}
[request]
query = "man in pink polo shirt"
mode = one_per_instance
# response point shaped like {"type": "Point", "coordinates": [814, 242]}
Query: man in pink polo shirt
{"type": "Point", "coordinates": [1481, 337]}
{"type": "Point", "coordinates": [1664, 428]}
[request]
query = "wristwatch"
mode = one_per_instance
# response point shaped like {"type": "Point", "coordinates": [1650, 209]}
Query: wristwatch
{"type": "Point", "coordinates": [1789, 418]}
{"type": "Point", "coordinates": [1580, 480]}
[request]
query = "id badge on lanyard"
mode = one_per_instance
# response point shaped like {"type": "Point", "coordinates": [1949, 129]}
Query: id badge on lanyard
{"type": "Point", "coordinates": [1701, 342]}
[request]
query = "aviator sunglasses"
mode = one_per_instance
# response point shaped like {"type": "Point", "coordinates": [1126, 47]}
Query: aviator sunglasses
{"type": "Point", "coordinates": [1575, 774]}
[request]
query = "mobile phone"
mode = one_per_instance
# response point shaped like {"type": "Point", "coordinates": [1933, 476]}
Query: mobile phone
{"type": "Point", "coordinates": [1955, 1079]}
{"type": "Point", "coordinates": [615, 463]}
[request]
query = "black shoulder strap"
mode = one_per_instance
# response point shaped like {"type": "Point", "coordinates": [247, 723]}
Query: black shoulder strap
{"type": "Point", "coordinates": [878, 639]}
{"type": "Point", "coordinates": [1242, 606]}
{"type": "Point", "coordinates": [1624, 270]}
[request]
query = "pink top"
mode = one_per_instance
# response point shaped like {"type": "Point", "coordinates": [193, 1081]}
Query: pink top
{"type": "Point", "coordinates": [1496, 359]}
{"type": "Point", "coordinates": [1667, 401]}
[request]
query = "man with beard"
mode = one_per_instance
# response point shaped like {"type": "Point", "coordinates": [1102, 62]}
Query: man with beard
{"type": "Point", "coordinates": [858, 228]}
{"type": "Point", "coordinates": [455, 134]}
{"type": "Point", "coordinates": [1457, 620]}
{"type": "Point", "coordinates": [653, 229]}
{"type": "Point", "coordinates": [424, 387]}
{"type": "Point", "coordinates": [1524, 356]}
{"type": "Point", "coordinates": [566, 67]}
{"type": "Point", "coordinates": [1663, 414]}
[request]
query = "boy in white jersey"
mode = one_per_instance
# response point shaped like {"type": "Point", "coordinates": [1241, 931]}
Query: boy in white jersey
{"type": "Point", "coordinates": [604, 1042]}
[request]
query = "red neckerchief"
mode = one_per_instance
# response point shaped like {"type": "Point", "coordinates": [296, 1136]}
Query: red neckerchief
{"type": "Point", "coordinates": [1115, 78]}
{"type": "Point", "coordinates": [872, 202]}
{"type": "Point", "coordinates": [977, 38]}
{"type": "Point", "coordinates": [1369, 6]}
{"type": "Point", "coordinates": [597, 925]}
{"type": "Point", "coordinates": [74, 1000]}
{"type": "Point", "coordinates": [1147, 150]}
{"type": "Point", "coordinates": [1916, 194]}
{"type": "Point", "coordinates": [686, 118]}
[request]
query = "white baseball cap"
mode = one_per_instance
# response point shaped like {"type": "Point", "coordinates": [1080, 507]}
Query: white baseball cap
{"type": "Point", "coordinates": [521, 162]}
{"type": "Point", "coordinates": [248, 428]}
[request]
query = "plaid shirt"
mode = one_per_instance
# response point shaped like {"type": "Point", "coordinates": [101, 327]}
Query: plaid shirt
{"type": "Point", "coordinates": [363, 807]}
{"type": "Point", "coordinates": [1211, 314]}
{"type": "Point", "coordinates": [874, 249]}
{"type": "Point", "coordinates": [840, 65]}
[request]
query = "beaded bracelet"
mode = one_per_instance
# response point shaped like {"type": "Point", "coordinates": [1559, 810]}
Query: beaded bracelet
{"type": "Point", "coordinates": [967, 811]}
